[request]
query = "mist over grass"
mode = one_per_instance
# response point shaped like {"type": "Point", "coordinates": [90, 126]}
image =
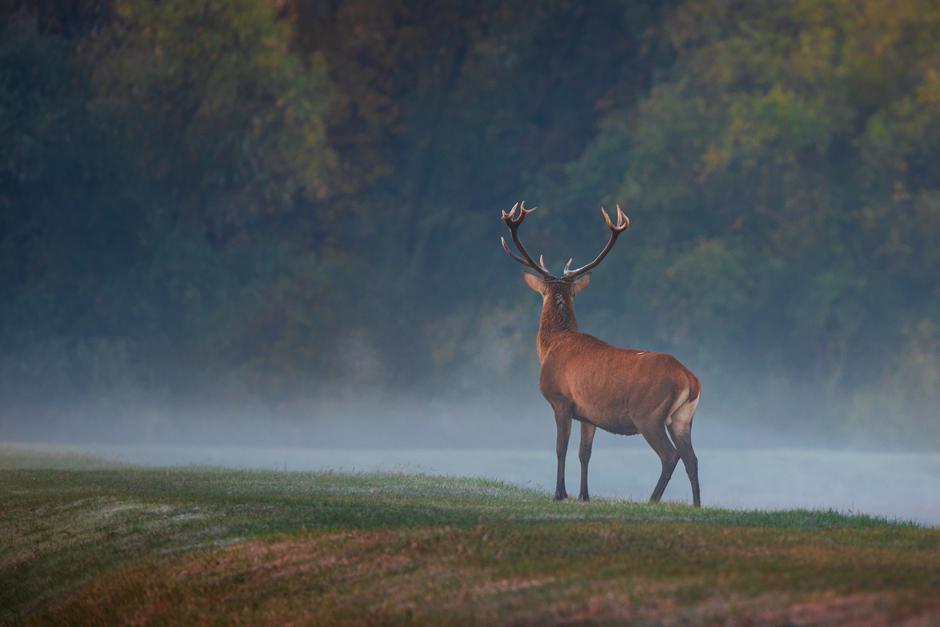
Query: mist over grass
{"type": "Point", "coordinates": [492, 415]}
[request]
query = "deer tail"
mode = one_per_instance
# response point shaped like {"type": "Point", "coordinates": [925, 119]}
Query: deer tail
{"type": "Point", "coordinates": [695, 388]}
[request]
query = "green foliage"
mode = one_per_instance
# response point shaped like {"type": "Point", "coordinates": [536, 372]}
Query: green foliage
{"type": "Point", "coordinates": [783, 176]}
{"type": "Point", "coordinates": [153, 184]}
{"type": "Point", "coordinates": [233, 120]}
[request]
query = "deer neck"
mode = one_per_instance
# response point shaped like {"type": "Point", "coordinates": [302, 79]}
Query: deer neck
{"type": "Point", "coordinates": [557, 318]}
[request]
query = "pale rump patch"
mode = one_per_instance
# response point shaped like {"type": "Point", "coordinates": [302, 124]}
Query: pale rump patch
{"type": "Point", "coordinates": [680, 418]}
{"type": "Point", "coordinates": [676, 404]}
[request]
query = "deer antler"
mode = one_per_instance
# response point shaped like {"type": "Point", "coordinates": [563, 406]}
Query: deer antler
{"type": "Point", "coordinates": [513, 222]}
{"type": "Point", "coordinates": [623, 223]}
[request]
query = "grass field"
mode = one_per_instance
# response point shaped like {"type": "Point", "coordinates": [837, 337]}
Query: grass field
{"type": "Point", "coordinates": [89, 542]}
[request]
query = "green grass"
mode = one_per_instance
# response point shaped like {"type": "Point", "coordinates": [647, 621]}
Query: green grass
{"type": "Point", "coordinates": [86, 541]}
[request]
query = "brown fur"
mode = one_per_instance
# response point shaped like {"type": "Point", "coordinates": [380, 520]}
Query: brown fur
{"type": "Point", "coordinates": [623, 391]}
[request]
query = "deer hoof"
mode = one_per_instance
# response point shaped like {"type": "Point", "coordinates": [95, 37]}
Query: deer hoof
{"type": "Point", "coordinates": [584, 497]}
{"type": "Point", "coordinates": [560, 495]}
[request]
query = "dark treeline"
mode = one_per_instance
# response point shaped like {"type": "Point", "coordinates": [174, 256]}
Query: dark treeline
{"type": "Point", "coordinates": [279, 200]}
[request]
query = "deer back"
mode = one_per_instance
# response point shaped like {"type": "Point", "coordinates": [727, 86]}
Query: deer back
{"type": "Point", "coordinates": [617, 389]}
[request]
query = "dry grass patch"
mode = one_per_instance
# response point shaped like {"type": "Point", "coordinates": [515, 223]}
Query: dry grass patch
{"type": "Point", "coordinates": [511, 574]}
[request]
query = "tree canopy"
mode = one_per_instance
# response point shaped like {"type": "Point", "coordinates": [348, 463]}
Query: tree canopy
{"type": "Point", "coordinates": [278, 199]}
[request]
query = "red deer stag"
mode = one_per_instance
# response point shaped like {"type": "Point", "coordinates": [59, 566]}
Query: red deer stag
{"type": "Point", "coordinates": [622, 391]}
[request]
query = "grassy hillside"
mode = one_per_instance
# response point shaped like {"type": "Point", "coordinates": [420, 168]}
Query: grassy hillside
{"type": "Point", "coordinates": [84, 541]}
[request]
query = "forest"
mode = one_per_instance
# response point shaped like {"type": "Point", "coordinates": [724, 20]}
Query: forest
{"type": "Point", "coordinates": [283, 200]}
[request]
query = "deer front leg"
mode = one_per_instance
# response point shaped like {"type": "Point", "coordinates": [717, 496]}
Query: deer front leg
{"type": "Point", "coordinates": [563, 427]}
{"type": "Point", "coordinates": [584, 454]}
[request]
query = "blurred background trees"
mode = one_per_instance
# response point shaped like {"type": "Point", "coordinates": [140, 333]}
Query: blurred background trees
{"type": "Point", "coordinates": [278, 200]}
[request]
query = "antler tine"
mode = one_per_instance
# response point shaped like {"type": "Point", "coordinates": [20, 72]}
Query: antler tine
{"type": "Point", "coordinates": [513, 222]}
{"type": "Point", "coordinates": [510, 218]}
{"type": "Point", "coordinates": [623, 223]}
{"type": "Point", "coordinates": [502, 240]}
{"type": "Point", "coordinates": [511, 214]}
{"type": "Point", "coordinates": [542, 263]}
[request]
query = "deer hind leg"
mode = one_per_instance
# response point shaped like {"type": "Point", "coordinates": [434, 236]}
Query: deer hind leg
{"type": "Point", "coordinates": [656, 437]}
{"type": "Point", "coordinates": [584, 454]}
{"type": "Point", "coordinates": [680, 428]}
{"type": "Point", "coordinates": [563, 433]}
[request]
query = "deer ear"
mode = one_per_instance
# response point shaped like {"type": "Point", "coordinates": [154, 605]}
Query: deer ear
{"type": "Point", "coordinates": [534, 282]}
{"type": "Point", "coordinates": [580, 283]}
